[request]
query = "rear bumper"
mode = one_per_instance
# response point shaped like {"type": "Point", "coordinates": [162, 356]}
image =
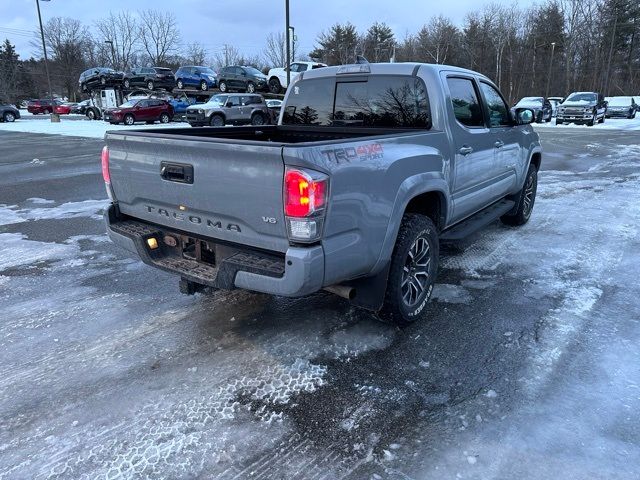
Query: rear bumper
{"type": "Point", "coordinates": [299, 272]}
{"type": "Point", "coordinates": [618, 113]}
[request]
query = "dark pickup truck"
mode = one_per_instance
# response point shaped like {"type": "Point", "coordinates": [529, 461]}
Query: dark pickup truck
{"type": "Point", "coordinates": [369, 168]}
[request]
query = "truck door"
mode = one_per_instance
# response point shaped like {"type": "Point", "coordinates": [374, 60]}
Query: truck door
{"type": "Point", "coordinates": [473, 148]}
{"type": "Point", "coordinates": [233, 108]}
{"type": "Point", "coordinates": [505, 139]}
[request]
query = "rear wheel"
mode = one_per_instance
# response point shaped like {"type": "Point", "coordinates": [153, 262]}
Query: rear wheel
{"type": "Point", "coordinates": [129, 119]}
{"type": "Point", "coordinates": [524, 201]}
{"type": "Point", "coordinates": [257, 119]}
{"type": "Point", "coordinates": [103, 81]}
{"type": "Point", "coordinates": [127, 83]}
{"type": "Point", "coordinates": [164, 118]}
{"type": "Point", "coordinates": [251, 87]}
{"type": "Point", "coordinates": [274, 85]}
{"type": "Point", "coordinates": [150, 85]}
{"type": "Point", "coordinates": [223, 86]}
{"type": "Point", "coordinates": [9, 117]}
{"type": "Point", "coordinates": [216, 121]}
{"type": "Point", "coordinates": [414, 265]}
{"type": "Point", "coordinates": [204, 86]}
{"type": "Point", "coordinates": [180, 84]}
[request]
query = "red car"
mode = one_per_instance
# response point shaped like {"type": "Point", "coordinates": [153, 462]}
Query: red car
{"type": "Point", "coordinates": [62, 109]}
{"type": "Point", "coordinates": [145, 110]}
{"type": "Point", "coordinates": [41, 106]}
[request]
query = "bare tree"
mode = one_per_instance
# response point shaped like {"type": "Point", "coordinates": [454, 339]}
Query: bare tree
{"type": "Point", "coordinates": [196, 54]}
{"type": "Point", "coordinates": [275, 51]}
{"type": "Point", "coordinates": [123, 30]}
{"type": "Point", "coordinates": [159, 35]}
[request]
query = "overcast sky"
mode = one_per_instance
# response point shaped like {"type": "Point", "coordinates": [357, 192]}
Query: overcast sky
{"type": "Point", "coordinates": [243, 23]}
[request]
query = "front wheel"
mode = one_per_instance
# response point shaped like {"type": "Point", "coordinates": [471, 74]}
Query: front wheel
{"type": "Point", "coordinates": [91, 115]}
{"type": "Point", "coordinates": [524, 201]}
{"type": "Point", "coordinates": [9, 117]}
{"type": "Point", "coordinates": [204, 86]}
{"type": "Point", "coordinates": [274, 86]}
{"type": "Point", "coordinates": [251, 87]}
{"type": "Point", "coordinates": [216, 121]}
{"type": "Point", "coordinates": [412, 274]}
{"type": "Point", "coordinates": [223, 86]}
{"type": "Point", "coordinates": [127, 83]}
{"type": "Point", "coordinates": [180, 85]}
{"type": "Point", "coordinates": [129, 120]}
{"type": "Point", "coordinates": [150, 85]}
{"type": "Point", "coordinates": [257, 119]}
{"type": "Point", "coordinates": [164, 118]}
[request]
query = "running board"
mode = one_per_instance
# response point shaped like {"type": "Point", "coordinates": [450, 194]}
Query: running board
{"type": "Point", "coordinates": [477, 221]}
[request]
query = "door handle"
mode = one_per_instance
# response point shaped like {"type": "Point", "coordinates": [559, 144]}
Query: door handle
{"type": "Point", "coordinates": [499, 144]}
{"type": "Point", "coordinates": [466, 150]}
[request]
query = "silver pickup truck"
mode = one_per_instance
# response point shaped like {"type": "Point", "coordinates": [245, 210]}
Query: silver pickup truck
{"type": "Point", "coordinates": [369, 168]}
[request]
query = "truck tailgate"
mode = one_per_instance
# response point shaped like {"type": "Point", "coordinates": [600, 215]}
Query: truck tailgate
{"type": "Point", "coordinates": [234, 193]}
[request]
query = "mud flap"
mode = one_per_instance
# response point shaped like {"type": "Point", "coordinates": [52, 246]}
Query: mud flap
{"type": "Point", "coordinates": [370, 291]}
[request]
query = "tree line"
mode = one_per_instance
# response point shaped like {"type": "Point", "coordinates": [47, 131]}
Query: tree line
{"type": "Point", "coordinates": [553, 48]}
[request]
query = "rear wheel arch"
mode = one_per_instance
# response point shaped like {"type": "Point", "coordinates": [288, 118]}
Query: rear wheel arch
{"type": "Point", "coordinates": [432, 204]}
{"type": "Point", "coordinates": [536, 159]}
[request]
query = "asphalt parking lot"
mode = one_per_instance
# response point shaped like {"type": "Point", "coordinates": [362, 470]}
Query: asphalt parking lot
{"type": "Point", "coordinates": [527, 367]}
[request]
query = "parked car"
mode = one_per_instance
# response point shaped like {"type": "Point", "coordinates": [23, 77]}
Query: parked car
{"type": "Point", "coordinates": [625, 107]}
{"type": "Point", "coordinates": [542, 109]}
{"type": "Point", "coordinates": [555, 101]}
{"type": "Point", "coordinates": [232, 108]}
{"type": "Point", "coordinates": [274, 106]}
{"type": "Point", "coordinates": [197, 76]}
{"type": "Point", "coordinates": [9, 113]}
{"type": "Point", "coordinates": [81, 107]}
{"type": "Point", "coordinates": [146, 110]}
{"type": "Point", "coordinates": [241, 78]}
{"type": "Point", "coordinates": [100, 77]}
{"type": "Point", "coordinates": [62, 108]}
{"type": "Point", "coordinates": [44, 105]}
{"type": "Point", "coordinates": [582, 107]}
{"type": "Point", "coordinates": [278, 76]}
{"type": "Point", "coordinates": [150, 78]}
{"type": "Point", "coordinates": [422, 153]}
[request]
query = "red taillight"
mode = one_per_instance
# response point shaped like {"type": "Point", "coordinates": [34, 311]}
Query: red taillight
{"type": "Point", "coordinates": [105, 164]}
{"type": "Point", "coordinates": [302, 194]}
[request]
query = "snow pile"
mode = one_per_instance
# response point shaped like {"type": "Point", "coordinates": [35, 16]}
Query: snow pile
{"type": "Point", "coordinates": [10, 214]}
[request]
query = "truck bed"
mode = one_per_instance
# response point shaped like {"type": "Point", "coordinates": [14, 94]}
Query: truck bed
{"type": "Point", "coordinates": [268, 134]}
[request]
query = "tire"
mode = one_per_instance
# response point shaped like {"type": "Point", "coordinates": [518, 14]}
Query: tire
{"type": "Point", "coordinates": [126, 83]}
{"type": "Point", "coordinates": [525, 200]}
{"type": "Point", "coordinates": [150, 85]}
{"type": "Point", "coordinates": [129, 119]}
{"type": "Point", "coordinates": [539, 118]}
{"type": "Point", "coordinates": [91, 115]}
{"type": "Point", "coordinates": [203, 86]}
{"type": "Point", "coordinates": [165, 118]}
{"type": "Point", "coordinates": [217, 121]}
{"type": "Point", "coordinates": [593, 120]}
{"type": "Point", "coordinates": [274, 85]}
{"type": "Point", "coordinates": [412, 274]}
{"type": "Point", "coordinates": [601, 120]}
{"type": "Point", "coordinates": [223, 86]}
{"type": "Point", "coordinates": [83, 87]}
{"type": "Point", "coordinates": [48, 111]}
{"type": "Point", "coordinates": [180, 84]}
{"type": "Point", "coordinates": [251, 87]}
{"type": "Point", "coordinates": [103, 81]}
{"type": "Point", "coordinates": [9, 117]}
{"type": "Point", "coordinates": [258, 119]}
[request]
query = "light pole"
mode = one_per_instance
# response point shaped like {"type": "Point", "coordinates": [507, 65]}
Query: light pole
{"type": "Point", "coordinates": [553, 47]}
{"type": "Point", "coordinates": [54, 116]}
{"type": "Point", "coordinates": [113, 53]}
{"type": "Point", "coordinates": [288, 48]}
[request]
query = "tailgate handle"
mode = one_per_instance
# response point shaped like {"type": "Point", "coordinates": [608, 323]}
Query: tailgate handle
{"type": "Point", "coordinates": [176, 172]}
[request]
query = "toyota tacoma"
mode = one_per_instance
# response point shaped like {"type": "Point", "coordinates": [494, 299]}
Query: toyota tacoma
{"type": "Point", "coordinates": [369, 168]}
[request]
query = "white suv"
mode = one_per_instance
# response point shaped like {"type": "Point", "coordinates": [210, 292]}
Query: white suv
{"type": "Point", "coordinates": [278, 76]}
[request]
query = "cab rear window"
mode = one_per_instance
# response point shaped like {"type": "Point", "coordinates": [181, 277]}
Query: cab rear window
{"type": "Point", "coordinates": [378, 101]}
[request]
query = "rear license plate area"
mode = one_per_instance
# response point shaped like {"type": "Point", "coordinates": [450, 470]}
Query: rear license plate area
{"type": "Point", "coordinates": [198, 250]}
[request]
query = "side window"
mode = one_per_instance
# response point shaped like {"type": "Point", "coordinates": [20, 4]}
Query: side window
{"type": "Point", "coordinates": [498, 110]}
{"type": "Point", "coordinates": [302, 67]}
{"type": "Point", "coordinates": [234, 101]}
{"type": "Point", "coordinates": [294, 68]}
{"type": "Point", "coordinates": [464, 99]}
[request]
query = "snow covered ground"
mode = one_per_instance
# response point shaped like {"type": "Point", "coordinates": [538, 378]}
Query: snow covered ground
{"type": "Point", "coordinates": [75, 126]}
{"type": "Point", "coordinates": [609, 124]}
{"type": "Point", "coordinates": [527, 367]}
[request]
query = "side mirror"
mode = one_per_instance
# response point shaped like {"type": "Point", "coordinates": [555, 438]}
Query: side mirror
{"type": "Point", "coordinates": [524, 116]}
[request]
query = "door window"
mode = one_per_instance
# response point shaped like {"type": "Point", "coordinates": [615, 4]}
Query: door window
{"type": "Point", "coordinates": [302, 67]}
{"type": "Point", "coordinates": [464, 99]}
{"type": "Point", "coordinates": [497, 108]}
{"type": "Point", "coordinates": [233, 102]}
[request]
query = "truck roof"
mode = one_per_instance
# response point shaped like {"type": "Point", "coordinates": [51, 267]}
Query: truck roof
{"type": "Point", "coordinates": [402, 68]}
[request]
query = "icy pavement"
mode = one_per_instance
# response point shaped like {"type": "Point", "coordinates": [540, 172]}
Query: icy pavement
{"type": "Point", "coordinates": [527, 367]}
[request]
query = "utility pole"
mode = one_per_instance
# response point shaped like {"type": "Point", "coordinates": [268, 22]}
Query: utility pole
{"type": "Point", "coordinates": [553, 47]}
{"type": "Point", "coordinates": [288, 49]}
{"type": "Point", "coordinates": [55, 118]}
{"type": "Point", "coordinates": [113, 53]}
